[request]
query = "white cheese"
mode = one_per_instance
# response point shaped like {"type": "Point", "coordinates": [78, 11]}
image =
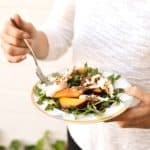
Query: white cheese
{"type": "Point", "coordinates": [101, 83]}
{"type": "Point", "coordinates": [51, 89]}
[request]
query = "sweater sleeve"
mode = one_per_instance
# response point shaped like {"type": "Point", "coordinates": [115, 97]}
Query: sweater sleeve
{"type": "Point", "coordinates": [59, 28]}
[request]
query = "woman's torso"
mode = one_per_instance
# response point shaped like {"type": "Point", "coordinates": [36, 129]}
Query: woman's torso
{"type": "Point", "coordinates": [114, 36]}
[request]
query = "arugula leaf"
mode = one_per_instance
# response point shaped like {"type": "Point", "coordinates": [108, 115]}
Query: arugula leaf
{"type": "Point", "coordinates": [41, 96]}
{"type": "Point", "coordinates": [50, 107]}
{"type": "Point", "coordinates": [37, 91]}
{"type": "Point", "coordinates": [89, 71]}
{"type": "Point", "coordinates": [53, 105]}
{"type": "Point", "coordinates": [41, 99]}
{"type": "Point", "coordinates": [90, 108]}
{"type": "Point", "coordinates": [104, 94]}
{"type": "Point", "coordinates": [118, 91]}
{"type": "Point", "coordinates": [75, 80]}
{"type": "Point", "coordinates": [113, 78]}
{"type": "Point", "coordinates": [103, 105]}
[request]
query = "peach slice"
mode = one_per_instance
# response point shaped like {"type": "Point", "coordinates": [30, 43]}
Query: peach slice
{"type": "Point", "coordinates": [71, 102]}
{"type": "Point", "coordinates": [97, 90]}
{"type": "Point", "coordinates": [81, 70]}
{"type": "Point", "coordinates": [68, 92]}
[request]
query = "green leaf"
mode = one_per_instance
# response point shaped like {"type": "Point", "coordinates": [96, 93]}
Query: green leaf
{"type": "Point", "coordinates": [41, 99]}
{"type": "Point", "coordinates": [75, 80]}
{"type": "Point", "coordinates": [30, 147]}
{"type": "Point", "coordinates": [53, 103]}
{"type": "Point", "coordinates": [118, 91]}
{"type": "Point", "coordinates": [89, 108]}
{"type": "Point", "coordinates": [89, 71]}
{"type": "Point", "coordinates": [113, 78]}
{"type": "Point", "coordinates": [39, 145]}
{"type": "Point", "coordinates": [85, 65]}
{"type": "Point", "coordinates": [15, 145]}
{"type": "Point", "coordinates": [37, 91]}
{"type": "Point", "coordinates": [56, 74]}
{"type": "Point", "coordinates": [59, 145]}
{"type": "Point", "coordinates": [103, 105]}
{"type": "Point", "coordinates": [44, 143]}
{"type": "Point", "coordinates": [50, 107]}
{"type": "Point", "coordinates": [2, 148]}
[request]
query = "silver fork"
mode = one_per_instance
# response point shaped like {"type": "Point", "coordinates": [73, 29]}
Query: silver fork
{"type": "Point", "coordinates": [39, 72]}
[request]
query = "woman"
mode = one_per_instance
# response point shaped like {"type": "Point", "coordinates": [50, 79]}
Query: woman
{"type": "Point", "coordinates": [114, 35]}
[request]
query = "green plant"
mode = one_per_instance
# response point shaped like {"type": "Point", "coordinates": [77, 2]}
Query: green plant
{"type": "Point", "coordinates": [44, 143]}
{"type": "Point", "coordinates": [2, 148]}
{"type": "Point", "coordinates": [16, 145]}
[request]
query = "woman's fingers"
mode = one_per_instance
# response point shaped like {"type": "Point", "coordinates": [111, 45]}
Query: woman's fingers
{"type": "Point", "coordinates": [13, 31]}
{"type": "Point", "coordinates": [13, 34]}
{"type": "Point", "coordinates": [15, 59]}
{"type": "Point", "coordinates": [140, 123]}
{"type": "Point", "coordinates": [136, 92]}
{"type": "Point", "coordinates": [13, 50]}
{"type": "Point", "coordinates": [13, 41]}
{"type": "Point", "coordinates": [25, 26]}
{"type": "Point", "coordinates": [132, 114]}
{"type": "Point", "coordinates": [139, 116]}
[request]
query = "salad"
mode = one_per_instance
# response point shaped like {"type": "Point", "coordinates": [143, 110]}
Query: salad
{"type": "Point", "coordinates": [81, 91]}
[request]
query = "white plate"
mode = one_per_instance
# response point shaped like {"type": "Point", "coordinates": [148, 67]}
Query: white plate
{"type": "Point", "coordinates": [111, 112]}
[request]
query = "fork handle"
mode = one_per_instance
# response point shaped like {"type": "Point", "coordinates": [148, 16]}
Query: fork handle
{"type": "Point", "coordinates": [32, 52]}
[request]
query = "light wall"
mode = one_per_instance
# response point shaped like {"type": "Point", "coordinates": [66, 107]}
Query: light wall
{"type": "Point", "coordinates": [18, 118]}
{"type": "Point", "coordinates": [33, 10]}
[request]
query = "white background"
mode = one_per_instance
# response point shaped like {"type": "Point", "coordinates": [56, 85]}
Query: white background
{"type": "Point", "coordinates": [18, 117]}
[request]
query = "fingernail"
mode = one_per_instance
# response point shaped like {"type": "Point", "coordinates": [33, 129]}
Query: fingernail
{"type": "Point", "coordinates": [25, 35]}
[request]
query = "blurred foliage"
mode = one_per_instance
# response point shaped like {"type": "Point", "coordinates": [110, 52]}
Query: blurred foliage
{"type": "Point", "coordinates": [16, 145]}
{"type": "Point", "coordinates": [2, 148]}
{"type": "Point", "coordinates": [44, 143]}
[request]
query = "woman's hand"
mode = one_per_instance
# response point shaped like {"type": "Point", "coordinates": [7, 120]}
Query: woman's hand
{"type": "Point", "coordinates": [139, 116]}
{"type": "Point", "coordinates": [13, 45]}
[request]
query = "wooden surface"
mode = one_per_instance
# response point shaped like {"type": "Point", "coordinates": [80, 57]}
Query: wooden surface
{"type": "Point", "coordinates": [18, 117]}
